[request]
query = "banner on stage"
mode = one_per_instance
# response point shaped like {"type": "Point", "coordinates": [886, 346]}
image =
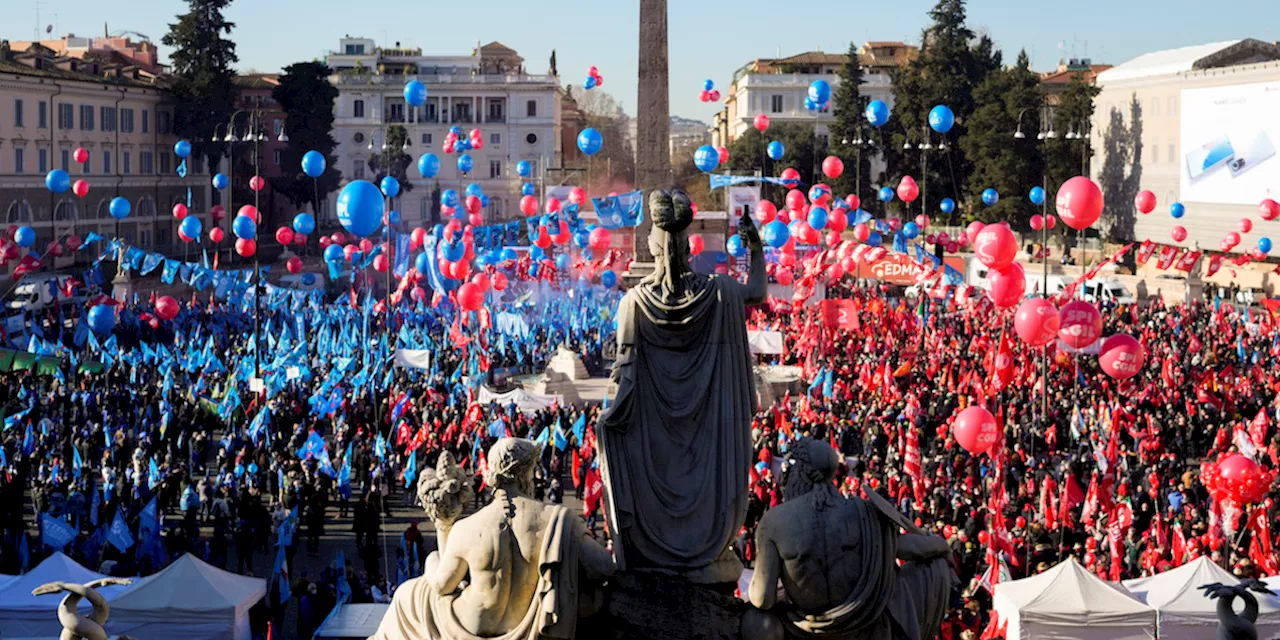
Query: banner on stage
{"type": "Point", "coordinates": [765, 342]}
{"type": "Point", "coordinates": [899, 268]}
{"type": "Point", "coordinates": [721, 180]}
{"type": "Point", "coordinates": [413, 358]}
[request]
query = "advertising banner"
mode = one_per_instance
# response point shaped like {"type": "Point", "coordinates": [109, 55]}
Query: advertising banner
{"type": "Point", "coordinates": [1228, 138]}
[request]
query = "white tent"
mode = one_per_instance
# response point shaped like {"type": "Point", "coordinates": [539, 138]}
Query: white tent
{"type": "Point", "coordinates": [189, 599]}
{"type": "Point", "coordinates": [353, 621]}
{"type": "Point", "coordinates": [1184, 613]}
{"type": "Point", "coordinates": [24, 615]}
{"type": "Point", "coordinates": [1068, 602]}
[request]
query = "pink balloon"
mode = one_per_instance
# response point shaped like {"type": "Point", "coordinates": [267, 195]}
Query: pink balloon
{"type": "Point", "coordinates": [599, 239]}
{"type": "Point", "coordinates": [908, 190]}
{"type": "Point", "coordinates": [1179, 233]}
{"type": "Point", "coordinates": [975, 429]}
{"type": "Point", "coordinates": [995, 246]}
{"type": "Point", "coordinates": [284, 235]}
{"type": "Point", "coordinates": [216, 234]}
{"type": "Point", "coordinates": [1145, 201]}
{"type": "Point", "coordinates": [577, 195]}
{"type": "Point", "coordinates": [1008, 285]}
{"type": "Point", "coordinates": [1037, 322]}
{"type": "Point", "coordinates": [765, 212]}
{"type": "Point", "coordinates": [1081, 324]}
{"type": "Point", "coordinates": [832, 167]}
{"type": "Point", "coordinates": [1121, 356]}
{"type": "Point", "coordinates": [761, 122]}
{"type": "Point", "coordinates": [81, 155]}
{"type": "Point", "coordinates": [1246, 225]}
{"type": "Point", "coordinates": [1233, 238]}
{"type": "Point", "coordinates": [795, 200]}
{"type": "Point", "coordinates": [1079, 202]}
{"type": "Point", "coordinates": [695, 245]}
{"type": "Point", "coordinates": [922, 220]}
{"type": "Point", "coordinates": [973, 229]}
{"type": "Point", "coordinates": [1269, 209]}
{"type": "Point", "coordinates": [80, 188]}
{"type": "Point", "coordinates": [180, 211]}
{"type": "Point", "coordinates": [1037, 222]}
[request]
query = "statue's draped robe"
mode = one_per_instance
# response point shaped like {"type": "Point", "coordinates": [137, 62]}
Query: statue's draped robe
{"type": "Point", "coordinates": [676, 445]}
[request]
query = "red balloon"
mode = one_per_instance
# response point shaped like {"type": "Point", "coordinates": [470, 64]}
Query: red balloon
{"type": "Point", "coordinates": [167, 307]}
{"type": "Point", "coordinates": [1233, 238]}
{"type": "Point", "coordinates": [476, 219]}
{"type": "Point", "coordinates": [1037, 222]}
{"type": "Point", "coordinates": [366, 245]}
{"type": "Point", "coordinates": [761, 122]}
{"type": "Point", "coordinates": [553, 205]}
{"type": "Point", "coordinates": [1179, 233]}
{"type": "Point", "coordinates": [599, 239]}
{"type": "Point", "coordinates": [577, 195]}
{"type": "Point", "coordinates": [714, 95]}
{"type": "Point", "coordinates": [380, 263]}
{"type": "Point", "coordinates": [416, 237]}
{"type": "Point", "coordinates": [1121, 356]}
{"type": "Point", "coordinates": [853, 201]}
{"type": "Point", "coordinates": [544, 238]}
{"type": "Point", "coordinates": [294, 265]}
{"type": "Point", "coordinates": [338, 238]}
{"type": "Point", "coordinates": [216, 235]}
{"type": "Point", "coordinates": [795, 200]}
{"type": "Point", "coordinates": [784, 277]}
{"type": "Point", "coordinates": [529, 205]}
{"type": "Point", "coordinates": [349, 251]}
{"type": "Point", "coordinates": [861, 232]}
{"type": "Point", "coordinates": [790, 176]}
{"type": "Point", "coordinates": [1269, 209]}
{"type": "Point", "coordinates": [73, 243]}
{"type": "Point", "coordinates": [1246, 225]}
{"type": "Point", "coordinates": [81, 155]}
{"type": "Point", "coordinates": [1081, 324]}
{"type": "Point", "coordinates": [995, 246]}
{"type": "Point", "coordinates": [837, 220]}
{"type": "Point", "coordinates": [975, 429]}
{"type": "Point", "coordinates": [481, 280]}
{"type": "Point", "coordinates": [908, 191]}
{"type": "Point", "coordinates": [832, 167]}
{"type": "Point", "coordinates": [1008, 285]}
{"type": "Point", "coordinates": [1237, 469]}
{"type": "Point", "coordinates": [325, 241]}
{"type": "Point", "coordinates": [1051, 220]}
{"type": "Point", "coordinates": [1145, 201]}
{"type": "Point", "coordinates": [1079, 202]}
{"type": "Point", "coordinates": [284, 235]}
{"type": "Point", "coordinates": [252, 212]}
{"type": "Point", "coordinates": [1037, 322]}
{"type": "Point", "coordinates": [180, 211]}
{"type": "Point", "coordinates": [470, 296]}
{"type": "Point", "coordinates": [257, 183]}
{"type": "Point", "coordinates": [246, 246]}
{"type": "Point", "coordinates": [181, 236]}
{"type": "Point", "coordinates": [723, 152]}
{"type": "Point", "coordinates": [973, 230]}
{"type": "Point", "coordinates": [922, 220]}
{"type": "Point", "coordinates": [695, 245]}
{"type": "Point", "coordinates": [765, 212]}
{"type": "Point", "coordinates": [983, 537]}
{"type": "Point", "coordinates": [80, 188]}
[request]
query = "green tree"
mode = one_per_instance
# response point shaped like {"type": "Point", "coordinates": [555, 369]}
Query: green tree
{"type": "Point", "coordinates": [1065, 157]}
{"type": "Point", "coordinates": [848, 107]}
{"type": "Point", "coordinates": [1007, 100]}
{"type": "Point", "coordinates": [202, 76]}
{"type": "Point", "coordinates": [747, 155]}
{"type": "Point", "coordinates": [306, 96]}
{"type": "Point", "coordinates": [392, 160]}
{"type": "Point", "coordinates": [1121, 171]}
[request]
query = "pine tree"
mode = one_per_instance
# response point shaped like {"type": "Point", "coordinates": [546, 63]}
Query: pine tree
{"type": "Point", "coordinates": [203, 86]}
{"type": "Point", "coordinates": [306, 96]}
{"type": "Point", "coordinates": [1007, 100]}
{"type": "Point", "coordinates": [392, 160]}
{"type": "Point", "coordinates": [848, 106]}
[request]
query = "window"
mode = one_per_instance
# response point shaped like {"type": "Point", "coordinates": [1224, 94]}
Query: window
{"type": "Point", "coordinates": [1155, 107]}
{"type": "Point", "coordinates": [65, 158]}
{"type": "Point", "coordinates": [495, 208]}
{"type": "Point", "coordinates": [354, 50]}
{"type": "Point", "coordinates": [164, 163]}
{"type": "Point", "coordinates": [44, 160]}
{"type": "Point", "coordinates": [496, 111]}
{"type": "Point", "coordinates": [426, 138]}
{"type": "Point", "coordinates": [495, 168]}
{"type": "Point", "coordinates": [42, 115]}
{"type": "Point", "coordinates": [19, 159]}
{"type": "Point", "coordinates": [66, 116]}
{"type": "Point", "coordinates": [531, 109]}
{"type": "Point", "coordinates": [108, 118]}
{"type": "Point", "coordinates": [462, 112]}
{"type": "Point", "coordinates": [531, 138]}
{"type": "Point", "coordinates": [146, 120]}
{"type": "Point", "coordinates": [106, 162]}
{"type": "Point", "coordinates": [775, 104]}
{"type": "Point", "coordinates": [66, 210]}
{"type": "Point", "coordinates": [87, 167]}
{"type": "Point", "coordinates": [1155, 151]}
{"type": "Point", "coordinates": [19, 211]}
{"type": "Point", "coordinates": [279, 157]}
{"type": "Point", "coordinates": [358, 137]}
{"type": "Point", "coordinates": [145, 163]}
{"type": "Point", "coordinates": [17, 112]}
{"type": "Point", "coordinates": [1173, 106]}
{"type": "Point", "coordinates": [277, 126]}
{"type": "Point", "coordinates": [163, 118]}
{"type": "Point", "coordinates": [86, 117]}
{"type": "Point", "coordinates": [495, 138]}
{"type": "Point", "coordinates": [357, 109]}
{"type": "Point", "coordinates": [357, 169]}
{"type": "Point", "coordinates": [163, 237]}
{"type": "Point", "coordinates": [126, 121]}
{"type": "Point", "coordinates": [145, 238]}
{"type": "Point", "coordinates": [395, 112]}
{"type": "Point", "coordinates": [427, 113]}
{"type": "Point", "coordinates": [126, 165]}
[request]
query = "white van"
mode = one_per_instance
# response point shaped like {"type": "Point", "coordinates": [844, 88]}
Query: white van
{"type": "Point", "coordinates": [1107, 290]}
{"type": "Point", "coordinates": [1057, 283]}
{"type": "Point", "coordinates": [33, 293]}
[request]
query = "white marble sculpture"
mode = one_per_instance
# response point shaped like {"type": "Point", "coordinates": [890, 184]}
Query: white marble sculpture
{"type": "Point", "coordinates": [74, 625]}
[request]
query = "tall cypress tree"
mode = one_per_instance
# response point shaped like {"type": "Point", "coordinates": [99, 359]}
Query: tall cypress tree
{"type": "Point", "coordinates": [307, 96]}
{"type": "Point", "coordinates": [203, 86]}
{"type": "Point", "coordinates": [848, 106]}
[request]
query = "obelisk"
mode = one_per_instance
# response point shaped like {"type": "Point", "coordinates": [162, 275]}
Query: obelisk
{"type": "Point", "coordinates": [653, 122]}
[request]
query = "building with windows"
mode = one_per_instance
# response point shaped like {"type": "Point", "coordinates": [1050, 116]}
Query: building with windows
{"type": "Point", "coordinates": [518, 113]}
{"type": "Point", "coordinates": [50, 105]}
{"type": "Point", "coordinates": [142, 54]}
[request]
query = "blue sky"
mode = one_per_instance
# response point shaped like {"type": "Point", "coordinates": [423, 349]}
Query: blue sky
{"type": "Point", "coordinates": [709, 39]}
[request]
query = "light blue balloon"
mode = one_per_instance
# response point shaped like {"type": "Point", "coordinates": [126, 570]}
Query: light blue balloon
{"type": "Point", "coordinates": [415, 93]}
{"type": "Point", "coordinates": [990, 196]}
{"type": "Point", "coordinates": [303, 223]}
{"type": "Point", "coordinates": [220, 182]}
{"type": "Point", "coordinates": [313, 164]}
{"type": "Point", "coordinates": [474, 189]}
{"type": "Point", "coordinates": [708, 85]}
{"type": "Point", "coordinates": [609, 279]}
{"type": "Point", "coordinates": [1264, 245]}
{"type": "Point", "coordinates": [393, 217]}
{"type": "Point", "coordinates": [910, 230]}
{"type": "Point", "coordinates": [456, 130]}
{"type": "Point", "coordinates": [455, 251]}
{"type": "Point", "coordinates": [120, 208]}
{"type": "Point", "coordinates": [244, 227]}
{"type": "Point", "coordinates": [886, 194]}
{"type": "Point", "coordinates": [874, 239]}
{"type": "Point", "coordinates": [465, 163]}
{"type": "Point", "coordinates": [527, 189]}
{"type": "Point", "coordinates": [57, 181]}
{"type": "Point", "coordinates": [102, 318]}
{"type": "Point", "coordinates": [1036, 195]}
{"type": "Point", "coordinates": [191, 227]}
{"type": "Point", "coordinates": [775, 234]}
{"type": "Point", "coordinates": [810, 105]}
{"type": "Point", "coordinates": [24, 237]}
{"type": "Point", "coordinates": [820, 91]}
{"type": "Point", "coordinates": [562, 262]}
{"type": "Point", "coordinates": [428, 165]}
{"type": "Point", "coordinates": [589, 83]}
{"type": "Point", "coordinates": [390, 186]}
{"type": "Point", "coordinates": [706, 158]}
{"type": "Point", "coordinates": [818, 218]}
{"type": "Point", "coordinates": [776, 150]}
{"type": "Point", "coordinates": [253, 467]}
{"type": "Point", "coordinates": [877, 113]}
{"type": "Point", "coordinates": [360, 207]}
{"type": "Point", "coordinates": [947, 205]}
{"type": "Point", "coordinates": [449, 198]}
{"type": "Point", "coordinates": [524, 168]}
{"type": "Point", "coordinates": [182, 148]}
{"type": "Point", "coordinates": [333, 253]}
{"type": "Point", "coordinates": [510, 255]}
{"type": "Point", "coordinates": [735, 246]}
{"type": "Point", "coordinates": [590, 141]}
{"type": "Point", "coordinates": [1177, 210]}
{"type": "Point", "coordinates": [421, 263]}
{"type": "Point", "coordinates": [941, 118]}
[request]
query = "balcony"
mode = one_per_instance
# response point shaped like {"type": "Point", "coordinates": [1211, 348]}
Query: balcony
{"type": "Point", "coordinates": [370, 78]}
{"type": "Point", "coordinates": [496, 119]}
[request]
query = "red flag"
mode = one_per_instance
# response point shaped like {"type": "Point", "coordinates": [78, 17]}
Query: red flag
{"type": "Point", "coordinates": [1258, 428]}
{"type": "Point", "coordinates": [1179, 545]}
{"type": "Point", "coordinates": [1117, 545]}
{"type": "Point", "coordinates": [912, 463]}
{"type": "Point", "coordinates": [839, 314]}
{"type": "Point", "coordinates": [592, 492]}
{"type": "Point", "coordinates": [1144, 252]}
{"type": "Point", "coordinates": [1215, 263]}
{"type": "Point", "coordinates": [1072, 495]}
{"type": "Point", "coordinates": [1002, 365]}
{"type": "Point", "coordinates": [1091, 502]}
{"type": "Point", "coordinates": [1260, 548]}
{"type": "Point", "coordinates": [26, 265]}
{"type": "Point", "coordinates": [1168, 255]}
{"type": "Point", "coordinates": [1188, 261]}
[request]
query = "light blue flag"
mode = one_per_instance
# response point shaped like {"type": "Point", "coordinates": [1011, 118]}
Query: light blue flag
{"type": "Point", "coordinates": [16, 418]}
{"type": "Point", "coordinates": [410, 469]}
{"type": "Point", "coordinates": [153, 474]}
{"type": "Point", "coordinates": [580, 428]}
{"type": "Point", "coordinates": [55, 533]}
{"type": "Point", "coordinates": [543, 437]}
{"type": "Point", "coordinates": [119, 536]}
{"type": "Point", "coordinates": [497, 428]}
{"type": "Point", "coordinates": [260, 422]}
{"type": "Point", "coordinates": [560, 440]}
{"type": "Point", "coordinates": [76, 463]}
{"type": "Point", "coordinates": [280, 573]}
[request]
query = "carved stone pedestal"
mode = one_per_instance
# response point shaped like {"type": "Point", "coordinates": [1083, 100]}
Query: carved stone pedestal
{"type": "Point", "coordinates": [642, 606]}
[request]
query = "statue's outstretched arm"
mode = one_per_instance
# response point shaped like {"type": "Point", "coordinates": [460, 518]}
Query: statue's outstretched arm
{"type": "Point", "coordinates": [597, 561]}
{"type": "Point", "coordinates": [757, 280]}
{"type": "Point", "coordinates": [763, 591]}
{"type": "Point", "coordinates": [914, 547]}
{"type": "Point", "coordinates": [449, 573]}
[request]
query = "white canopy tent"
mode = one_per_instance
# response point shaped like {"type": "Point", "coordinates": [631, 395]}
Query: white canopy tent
{"type": "Point", "coordinates": [1184, 613]}
{"type": "Point", "coordinates": [23, 615]}
{"type": "Point", "coordinates": [1068, 602]}
{"type": "Point", "coordinates": [190, 599]}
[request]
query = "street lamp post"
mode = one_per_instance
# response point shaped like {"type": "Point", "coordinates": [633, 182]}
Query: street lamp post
{"type": "Point", "coordinates": [1043, 136]}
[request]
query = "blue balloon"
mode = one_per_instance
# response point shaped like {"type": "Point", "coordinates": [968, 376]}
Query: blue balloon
{"type": "Point", "coordinates": [102, 318]}
{"type": "Point", "coordinates": [776, 234]}
{"type": "Point", "coordinates": [524, 168]}
{"type": "Point", "coordinates": [484, 200]}
{"type": "Point", "coordinates": [191, 227]}
{"type": "Point", "coordinates": [941, 118]}
{"type": "Point", "coordinates": [510, 255]}
{"type": "Point", "coordinates": [313, 164]}
{"type": "Point", "coordinates": [910, 230]}
{"type": "Point", "coordinates": [24, 237]}
{"type": "Point", "coordinates": [220, 181]}
{"type": "Point", "coordinates": [818, 218]}
{"type": "Point", "coordinates": [239, 470]}
{"type": "Point", "coordinates": [776, 150]}
{"type": "Point", "coordinates": [303, 223]}
{"type": "Point", "coordinates": [473, 189]}
{"type": "Point", "coordinates": [456, 130]}
{"type": "Point", "coordinates": [333, 253]}
{"type": "Point", "coordinates": [57, 181]}
{"type": "Point", "coordinates": [253, 467]}
{"type": "Point", "coordinates": [437, 231]}
{"type": "Point", "coordinates": [874, 239]}
{"type": "Point", "coordinates": [449, 198]}
{"type": "Point", "coordinates": [415, 93]}
{"type": "Point", "coordinates": [244, 227]}
{"type": "Point", "coordinates": [536, 254]}
{"type": "Point", "coordinates": [360, 207]}
{"type": "Point", "coordinates": [393, 217]}
{"type": "Point", "coordinates": [706, 158]}
{"type": "Point", "coordinates": [390, 186]}
{"type": "Point", "coordinates": [609, 279]}
{"type": "Point", "coordinates": [820, 91]}
{"type": "Point", "coordinates": [420, 263]}
{"type": "Point", "coordinates": [581, 239]}
{"type": "Point", "coordinates": [990, 196]}
{"type": "Point", "coordinates": [589, 83]}
{"type": "Point", "coordinates": [735, 246]}
{"type": "Point", "coordinates": [562, 262]}
{"type": "Point", "coordinates": [590, 141]}
{"type": "Point", "coordinates": [1036, 195]}
{"type": "Point", "coordinates": [119, 208]}
{"type": "Point", "coordinates": [708, 85]}
{"type": "Point", "coordinates": [428, 165]}
{"type": "Point", "coordinates": [455, 251]}
{"type": "Point", "coordinates": [182, 148]}
{"type": "Point", "coordinates": [527, 189]}
{"type": "Point", "coordinates": [947, 205]}
{"type": "Point", "coordinates": [1177, 210]}
{"type": "Point", "coordinates": [465, 163]}
{"type": "Point", "coordinates": [462, 145]}
{"type": "Point", "coordinates": [886, 194]}
{"type": "Point", "coordinates": [1264, 245]}
{"type": "Point", "coordinates": [810, 105]}
{"type": "Point", "coordinates": [308, 279]}
{"type": "Point", "coordinates": [877, 113]}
